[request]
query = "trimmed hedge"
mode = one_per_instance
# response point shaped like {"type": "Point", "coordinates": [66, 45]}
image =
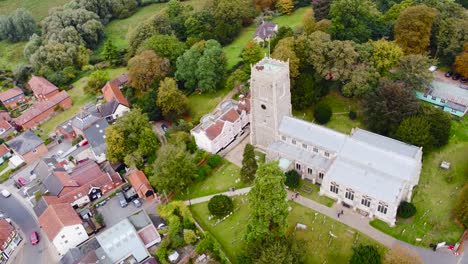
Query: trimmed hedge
{"type": "Point", "coordinates": [292, 179]}
{"type": "Point", "coordinates": [406, 210]}
{"type": "Point", "coordinates": [214, 161]}
{"type": "Point", "coordinates": [322, 113]}
{"type": "Point", "coordinates": [220, 205]}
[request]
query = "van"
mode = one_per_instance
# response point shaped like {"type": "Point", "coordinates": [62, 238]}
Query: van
{"type": "Point", "coordinates": [122, 200]}
{"type": "Point", "coordinates": [6, 193]}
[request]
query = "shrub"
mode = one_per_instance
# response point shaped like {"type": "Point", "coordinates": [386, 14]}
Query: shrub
{"type": "Point", "coordinates": [38, 195]}
{"type": "Point", "coordinates": [220, 205]}
{"type": "Point", "coordinates": [365, 254]}
{"type": "Point", "coordinates": [203, 172]}
{"type": "Point", "coordinates": [322, 113]}
{"type": "Point", "coordinates": [99, 219]}
{"type": "Point", "coordinates": [352, 115]}
{"type": "Point", "coordinates": [406, 210]}
{"type": "Point", "coordinates": [189, 236]}
{"type": "Point", "coordinates": [461, 207]}
{"type": "Point", "coordinates": [292, 179]}
{"type": "Point", "coordinates": [214, 161]}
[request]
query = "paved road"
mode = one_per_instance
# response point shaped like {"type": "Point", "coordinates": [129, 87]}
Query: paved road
{"type": "Point", "coordinates": [23, 219]}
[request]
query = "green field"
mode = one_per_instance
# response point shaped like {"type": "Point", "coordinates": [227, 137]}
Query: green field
{"type": "Point", "coordinates": [201, 104]}
{"type": "Point", "coordinates": [321, 246]}
{"type": "Point", "coordinates": [11, 54]}
{"type": "Point", "coordinates": [38, 8]}
{"type": "Point", "coordinates": [304, 189]}
{"type": "Point", "coordinates": [234, 49]}
{"type": "Point", "coordinates": [79, 98]}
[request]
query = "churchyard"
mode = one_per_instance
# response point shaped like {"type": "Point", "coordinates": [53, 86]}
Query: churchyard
{"type": "Point", "coordinates": [326, 240]}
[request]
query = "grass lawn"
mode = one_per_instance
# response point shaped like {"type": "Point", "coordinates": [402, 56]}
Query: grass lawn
{"type": "Point", "coordinates": [38, 8]}
{"type": "Point", "coordinates": [11, 53]}
{"type": "Point", "coordinates": [220, 181]}
{"type": "Point", "coordinates": [436, 194]}
{"type": "Point", "coordinates": [314, 194]}
{"type": "Point", "coordinates": [201, 104]}
{"type": "Point", "coordinates": [79, 98]}
{"type": "Point", "coordinates": [234, 49]}
{"type": "Point", "coordinates": [4, 165]}
{"type": "Point", "coordinates": [322, 248]}
{"type": "Point", "coordinates": [340, 106]}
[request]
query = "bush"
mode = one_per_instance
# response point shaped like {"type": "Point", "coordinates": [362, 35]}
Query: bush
{"type": "Point", "coordinates": [322, 113]}
{"type": "Point", "coordinates": [203, 172]}
{"type": "Point", "coordinates": [461, 207]}
{"type": "Point", "coordinates": [365, 254]}
{"type": "Point", "coordinates": [99, 219]}
{"type": "Point", "coordinates": [220, 205]}
{"type": "Point", "coordinates": [214, 161]}
{"type": "Point", "coordinates": [189, 236]}
{"type": "Point", "coordinates": [352, 115]}
{"type": "Point", "coordinates": [38, 195]}
{"type": "Point", "coordinates": [406, 210]}
{"type": "Point", "coordinates": [292, 179]}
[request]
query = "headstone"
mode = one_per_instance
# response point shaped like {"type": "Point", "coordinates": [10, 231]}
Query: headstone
{"type": "Point", "coordinates": [301, 226]}
{"type": "Point", "coordinates": [418, 239]}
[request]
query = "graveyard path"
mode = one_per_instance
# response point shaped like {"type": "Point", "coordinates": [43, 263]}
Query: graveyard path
{"type": "Point", "coordinates": [358, 222]}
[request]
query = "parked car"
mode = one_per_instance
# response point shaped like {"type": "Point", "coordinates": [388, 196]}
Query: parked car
{"type": "Point", "coordinates": [34, 238]}
{"type": "Point", "coordinates": [164, 127]}
{"type": "Point", "coordinates": [6, 193]}
{"type": "Point", "coordinates": [17, 185]}
{"type": "Point", "coordinates": [449, 74]}
{"type": "Point", "coordinates": [83, 143]}
{"type": "Point", "coordinates": [122, 201]}
{"type": "Point", "coordinates": [22, 181]}
{"type": "Point", "coordinates": [464, 80]}
{"type": "Point", "coordinates": [137, 203]}
{"type": "Point", "coordinates": [456, 76]}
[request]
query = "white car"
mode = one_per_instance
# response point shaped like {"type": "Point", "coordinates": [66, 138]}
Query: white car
{"type": "Point", "coordinates": [6, 193]}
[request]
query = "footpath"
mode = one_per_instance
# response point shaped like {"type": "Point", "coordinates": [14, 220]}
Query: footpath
{"type": "Point", "coordinates": [358, 222]}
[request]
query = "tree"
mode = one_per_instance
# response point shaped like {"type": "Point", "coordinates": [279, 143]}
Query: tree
{"type": "Point", "coordinates": [17, 26]}
{"type": "Point", "coordinates": [279, 250]}
{"type": "Point", "coordinates": [324, 25]}
{"type": "Point", "coordinates": [220, 205]}
{"type": "Point", "coordinates": [249, 164]}
{"type": "Point", "coordinates": [451, 35]}
{"type": "Point", "coordinates": [401, 255]}
{"type": "Point", "coordinates": [353, 19]}
{"type": "Point", "coordinates": [123, 8]}
{"type": "Point", "coordinates": [308, 22]}
{"type": "Point", "coordinates": [406, 210]}
{"type": "Point", "coordinates": [229, 16]}
{"type": "Point", "coordinates": [251, 54]}
{"type": "Point", "coordinates": [386, 107]}
{"type": "Point", "coordinates": [394, 12]}
{"type": "Point", "coordinates": [285, 50]}
{"type": "Point", "coordinates": [189, 236]}
{"type": "Point", "coordinates": [283, 32]}
{"type": "Point", "coordinates": [214, 161]}
{"type": "Point", "coordinates": [110, 53]}
{"type": "Point", "coordinates": [166, 46]}
{"type": "Point", "coordinates": [322, 113]}
{"type": "Point", "coordinates": [292, 179]}
{"type": "Point", "coordinates": [56, 57]}
{"type": "Point", "coordinates": [364, 79]}
{"type": "Point", "coordinates": [440, 123]}
{"type": "Point", "coordinates": [285, 6]}
{"type": "Point", "coordinates": [32, 46]}
{"type": "Point", "coordinates": [157, 24]}
{"type": "Point", "coordinates": [99, 7]}
{"type": "Point", "coordinates": [146, 103]}
{"type": "Point", "coordinates": [237, 80]}
{"type": "Point", "coordinates": [365, 254]}
{"type": "Point", "coordinates": [415, 130]}
{"type": "Point", "coordinates": [170, 98]}
{"type": "Point", "coordinates": [146, 68]}
{"type": "Point", "coordinates": [262, 5]}
{"type": "Point", "coordinates": [269, 208]}
{"type": "Point", "coordinates": [321, 8]}
{"type": "Point", "coordinates": [96, 81]}
{"type": "Point", "coordinates": [173, 169]}
{"type": "Point", "coordinates": [413, 70]}
{"type": "Point", "coordinates": [199, 26]}
{"type": "Point", "coordinates": [461, 62]}
{"type": "Point", "coordinates": [385, 54]}
{"type": "Point", "coordinates": [461, 207]}
{"type": "Point", "coordinates": [306, 91]}
{"type": "Point", "coordinates": [413, 29]}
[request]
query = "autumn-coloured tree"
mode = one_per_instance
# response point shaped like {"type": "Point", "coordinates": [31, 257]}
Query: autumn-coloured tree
{"type": "Point", "coordinates": [262, 5]}
{"type": "Point", "coordinates": [251, 54]}
{"type": "Point", "coordinates": [461, 62]}
{"type": "Point", "coordinates": [171, 99]}
{"type": "Point", "coordinates": [284, 51]}
{"type": "Point", "coordinates": [146, 68]}
{"type": "Point", "coordinates": [285, 6]}
{"type": "Point", "coordinates": [308, 21]}
{"type": "Point", "coordinates": [385, 54]}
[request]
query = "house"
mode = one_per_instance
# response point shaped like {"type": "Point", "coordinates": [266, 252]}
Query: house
{"type": "Point", "coordinates": [218, 129]}
{"type": "Point", "coordinates": [112, 110]}
{"type": "Point", "coordinates": [96, 136]}
{"type": "Point", "coordinates": [265, 31]}
{"type": "Point", "coordinates": [365, 171]}
{"type": "Point", "coordinates": [12, 98]}
{"type": "Point", "coordinates": [449, 97]}
{"type": "Point", "coordinates": [63, 227]}
{"type": "Point", "coordinates": [42, 88]}
{"type": "Point", "coordinates": [111, 91]}
{"type": "Point", "coordinates": [4, 115]}
{"type": "Point", "coordinates": [9, 240]}
{"type": "Point", "coordinates": [27, 146]}
{"type": "Point", "coordinates": [140, 184]}
{"type": "Point", "coordinates": [5, 129]}
{"type": "Point", "coordinates": [42, 110]}
{"type": "Point", "coordinates": [5, 153]}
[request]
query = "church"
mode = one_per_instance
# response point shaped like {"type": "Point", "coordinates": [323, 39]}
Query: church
{"type": "Point", "coordinates": [365, 171]}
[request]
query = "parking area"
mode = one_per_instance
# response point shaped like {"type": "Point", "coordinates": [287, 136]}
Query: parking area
{"type": "Point", "coordinates": [113, 213]}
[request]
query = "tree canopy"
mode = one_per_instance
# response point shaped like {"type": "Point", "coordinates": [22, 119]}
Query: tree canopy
{"type": "Point", "coordinates": [146, 69]}
{"type": "Point", "coordinates": [17, 26]}
{"type": "Point", "coordinates": [249, 164]}
{"type": "Point", "coordinates": [413, 70]}
{"type": "Point", "coordinates": [96, 81]}
{"type": "Point", "coordinates": [170, 98]}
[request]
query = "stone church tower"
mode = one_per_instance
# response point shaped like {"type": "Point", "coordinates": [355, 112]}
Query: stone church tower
{"type": "Point", "coordinates": [270, 100]}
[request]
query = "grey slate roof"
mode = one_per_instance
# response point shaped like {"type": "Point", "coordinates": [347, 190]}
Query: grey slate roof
{"type": "Point", "coordinates": [72, 256]}
{"type": "Point", "coordinates": [449, 92]}
{"type": "Point", "coordinates": [456, 106]}
{"type": "Point", "coordinates": [95, 135]}
{"type": "Point", "coordinates": [296, 153]}
{"type": "Point", "coordinates": [84, 120]}
{"type": "Point", "coordinates": [107, 109]}
{"type": "Point", "coordinates": [53, 185]}
{"type": "Point", "coordinates": [265, 30]}
{"type": "Point", "coordinates": [25, 142]}
{"type": "Point", "coordinates": [40, 206]}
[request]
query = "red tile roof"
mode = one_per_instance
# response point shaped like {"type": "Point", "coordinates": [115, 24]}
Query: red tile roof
{"type": "Point", "coordinates": [56, 217]}
{"type": "Point", "coordinates": [112, 91]}
{"type": "Point", "coordinates": [40, 107]}
{"type": "Point", "coordinates": [4, 115]}
{"type": "Point", "coordinates": [214, 130]}
{"type": "Point", "coordinates": [3, 150]}
{"type": "Point", "coordinates": [230, 116]}
{"type": "Point", "coordinates": [10, 93]}
{"type": "Point", "coordinates": [4, 124]}
{"type": "Point", "coordinates": [40, 85]}
{"type": "Point", "coordinates": [49, 199]}
{"type": "Point", "coordinates": [140, 183]}
{"type": "Point", "coordinates": [65, 178]}
{"type": "Point", "coordinates": [148, 234]}
{"type": "Point", "coordinates": [5, 230]}
{"type": "Point", "coordinates": [86, 172]}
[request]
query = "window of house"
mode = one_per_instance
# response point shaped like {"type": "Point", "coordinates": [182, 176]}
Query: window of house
{"type": "Point", "coordinates": [382, 208]}
{"type": "Point", "coordinates": [34, 150]}
{"type": "Point", "coordinates": [433, 97]}
{"type": "Point", "coordinates": [320, 175]}
{"type": "Point", "coordinates": [425, 95]}
{"type": "Point", "coordinates": [315, 149]}
{"type": "Point", "coordinates": [365, 201]}
{"type": "Point", "coordinates": [293, 141]}
{"type": "Point", "coordinates": [309, 171]}
{"type": "Point", "coordinates": [349, 194]}
{"type": "Point", "coordinates": [334, 187]}
{"type": "Point", "coordinates": [298, 166]}
{"type": "Point", "coordinates": [442, 100]}
{"type": "Point", "coordinates": [327, 154]}
{"type": "Point", "coordinates": [304, 146]}
{"type": "Point", "coordinates": [283, 138]}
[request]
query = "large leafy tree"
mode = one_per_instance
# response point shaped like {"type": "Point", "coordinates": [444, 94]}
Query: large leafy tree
{"type": "Point", "coordinates": [281, 250]}
{"type": "Point", "coordinates": [165, 46]}
{"type": "Point", "coordinates": [285, 50]}
{"type": "Point", "coordinates": [249, 164]}
{"type": "Point", "coordinates": [461, 207]}
{"type": "Point", "coordinates": [451, 35]}
{"type": "Point", "coordinates": [199, 26]}
{"type": "Point", "coordinates": [385, 108]}
{"type": "Point", "coordinates": [170, 98]}
{"type": "Point", "coordinates": [413, 29]}
{"type": "Point", "coordinates": [157, 24]}
{"type": "Point", "coordinates": [394, 12]}
{"type": "Point", "coordinates": [229, 16]}
{"type": "Point", "coordinates": [110, 53]}
{"type": "Point", "coordinates": [308, 22]}
{"type": "Point", "coordinates": [101, 8]}
{"type": "Point", "coordinates": [385, 54]}
{"type": "Point", "coordinates": [251, 54]}
{"type": "Point", "coordinates": [461, 62]}
{"type": "Point", "coordinates": [285, 6]}
{"type": "Point", "coordinates": [146, 68]}
{"type": "Point", "coordinates": [96, 81]}
{"type": "Point", "coordinates": [269, 208]}
{"type": "Point", "coordinates": [321, 8]}
{"type": "Point", "coordinates": [364, 79]}
{"type": "Point", "coordinates": [173, 169]}
{"type": "Point", "coordinates": [440, 124]}
{"type": "Point", "coordinates": [413, 70]}
{"type": "Point", "coordinates": [415, 130]}
{"type": "Point", "coordinates": [17, 26]}
{"type": "Point", "coordinates": [306, 91]}
{"type": "Point", "coordinates": [131, 134]}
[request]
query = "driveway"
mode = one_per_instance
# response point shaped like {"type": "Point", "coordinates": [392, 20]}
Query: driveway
{"type": "Point", "coordinates": [113, 213]}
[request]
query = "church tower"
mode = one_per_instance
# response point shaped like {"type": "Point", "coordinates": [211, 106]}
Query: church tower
{"type": "Point", "coordinates": [270, 100]}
